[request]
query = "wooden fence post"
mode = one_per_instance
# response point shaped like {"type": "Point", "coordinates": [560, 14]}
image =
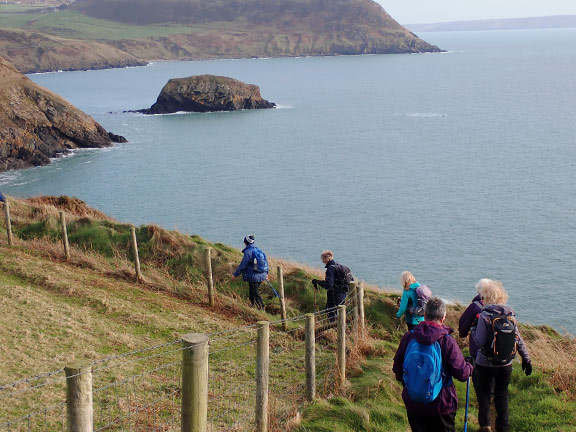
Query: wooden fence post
{"type": "Point", "coordinates": [65, 235]}
{"type": "Point", "coordinates": [194, 383]}
{"type": "Point", "coordinates": [8, 221]}
{"type": "Point", "coordinates": [135, 252]}
{"type": "Point", "coordinates": [282, 301]}
{"type": "Point", "coordinates": [354, 301]}
{"type": "Point", "coordinates": [79, 409]}
{"type": "Point", "coordinates": [210, 279]}
{"type": "Point", "coordinates": [262, 369]}
{"type": "Point", "coordinates": [310, 358]}
{"type": "Point", "coordinates": [360, 302]}
{"type": "Point", "coordinates": [341, 350]}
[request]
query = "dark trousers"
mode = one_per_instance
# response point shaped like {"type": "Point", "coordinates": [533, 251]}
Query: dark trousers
{"type": "Point", "coordinates": [441, 423]}
{"type": "Point", "coordinates": [254, 295]}
{"type": "Point", "coordinates": [485, 379]}
{"type": "Point", "coordinates": [410, 326]}
{"type": "Point", "coordinates": [334, 299]}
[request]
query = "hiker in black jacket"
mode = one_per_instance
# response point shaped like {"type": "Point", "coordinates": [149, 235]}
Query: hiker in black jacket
{"type": "Point", "coordinates": [334, 284]}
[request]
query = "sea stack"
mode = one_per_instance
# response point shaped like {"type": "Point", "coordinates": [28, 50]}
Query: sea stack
{"type": "Point", "coordinates": [205, 93]}
{"type": "Point", "coordinates": [36, 124]}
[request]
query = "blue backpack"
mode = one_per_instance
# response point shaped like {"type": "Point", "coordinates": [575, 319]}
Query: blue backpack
{"type": "Point", "coordinates": [260, 262]}
{"type": "Point", "coordinates": [423, 372]}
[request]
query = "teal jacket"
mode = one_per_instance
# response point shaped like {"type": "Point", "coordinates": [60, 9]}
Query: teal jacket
{"type": "Point", "coordinates": [409, 299]}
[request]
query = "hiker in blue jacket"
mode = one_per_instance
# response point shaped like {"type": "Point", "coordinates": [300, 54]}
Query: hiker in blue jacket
{"type": "Point", "coordinates": [335, 293]}
{"type": "Point", "coordinates": [409, 300]}
{"type": "Point", "coordinates": [249, 271]}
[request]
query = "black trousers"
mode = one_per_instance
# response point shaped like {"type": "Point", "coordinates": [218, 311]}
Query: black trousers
{"type": "Point", "coordinates": [422, 423]}
{"type": "Point", "coordinates": [334, 299]}
{"type": "Point", "coordinates": [485, 379]}
{"type": "Point", "coordinates": [254, 295]}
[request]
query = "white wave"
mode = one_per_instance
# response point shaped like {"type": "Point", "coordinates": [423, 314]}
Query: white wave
{"type": "Point", "coordinates": [278, 106]}
{"type": "Point", "coordinates": [427, 115]}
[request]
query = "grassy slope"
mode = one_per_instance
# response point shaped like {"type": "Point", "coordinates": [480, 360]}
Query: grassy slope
{"type": "Point", "coordinates": [54, 312]}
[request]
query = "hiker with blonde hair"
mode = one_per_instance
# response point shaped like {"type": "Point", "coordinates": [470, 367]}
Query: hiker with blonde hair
{"type": "Point", "coordinates": [409, 300]}
{"type": "Point", "coordinates": [498, 340]}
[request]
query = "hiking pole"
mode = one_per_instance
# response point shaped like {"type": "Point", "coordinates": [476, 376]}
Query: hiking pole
{"type": "Point", "coordinates": [467, 399]}
{"type": "Point", "coordinates": [272, 288]}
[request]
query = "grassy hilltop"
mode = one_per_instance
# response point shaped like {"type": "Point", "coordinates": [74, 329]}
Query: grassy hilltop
{"type": "Point", "coordinates": [114, 33]}
{"type": "Point", "coordinates": [54, 311]}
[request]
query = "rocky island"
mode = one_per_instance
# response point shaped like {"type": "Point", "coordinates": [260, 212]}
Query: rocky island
{"type": "Point", "coordinates": [36, 124]}
{"type": "Point", "coordinates": [205, 93]}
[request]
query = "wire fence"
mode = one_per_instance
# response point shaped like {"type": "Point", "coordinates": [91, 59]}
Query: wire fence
{"type": "Point", "coordinates": [141, 390]}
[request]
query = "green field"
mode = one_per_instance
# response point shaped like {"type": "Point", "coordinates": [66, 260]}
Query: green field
{"type": "Point", "coordinates": [74, 25]}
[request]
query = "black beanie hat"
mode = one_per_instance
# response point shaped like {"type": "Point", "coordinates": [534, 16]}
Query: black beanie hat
{"type": "Point", "coordinates": [249, 239]}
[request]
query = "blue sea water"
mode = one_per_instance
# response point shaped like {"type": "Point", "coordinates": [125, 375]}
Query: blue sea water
{"type": "Point", "coordinates": [456, 166]}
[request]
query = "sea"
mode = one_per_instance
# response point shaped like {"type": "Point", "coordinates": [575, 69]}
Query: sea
{"type": "Point", "coordinates": [456, 166]}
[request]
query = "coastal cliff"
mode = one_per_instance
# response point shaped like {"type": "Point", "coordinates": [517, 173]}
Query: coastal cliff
{"type": "Point", "coordinates": [36, 124]}
{"type": "Point", "coordinates": [204, 93]}
{"type": "Point", "coordinates": [117, 33]}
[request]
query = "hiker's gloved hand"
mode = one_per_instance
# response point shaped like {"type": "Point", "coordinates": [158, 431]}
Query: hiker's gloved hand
{"type": "Point", "coordinates": [527, 367]}
{"type": "Point", "coordinates": [315, 283]}
{"type": "Point", "coordinates": [470, 360]}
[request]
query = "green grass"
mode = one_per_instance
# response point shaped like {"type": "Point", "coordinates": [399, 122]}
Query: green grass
{"type": "Point", "coordinates": [72, 24]}
{"type": "Point", "coordinates": [88, 308]}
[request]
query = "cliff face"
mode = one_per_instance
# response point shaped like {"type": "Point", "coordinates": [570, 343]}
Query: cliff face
{"type": "Point", "coordinates": [270, 27]}
{"type": "Point", "coordinates": [36, 124]}
{"type": "Point", "coordinates": [38, 52]}
{"type": "Point", "coordinates": [203, 93]}
{"type": "Point", "coordinates": [199, 29]}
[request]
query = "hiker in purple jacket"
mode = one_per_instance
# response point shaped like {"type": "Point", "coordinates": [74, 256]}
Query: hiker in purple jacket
{"type": "Point", "coordinates": [494, 377]}
{"type": "Point", "coordinates": [438, 415]}
{"type": "Point", "coordinates": [469, 316]}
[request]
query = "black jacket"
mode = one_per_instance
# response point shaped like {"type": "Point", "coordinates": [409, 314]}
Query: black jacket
{"type": "Point", "coordinates": [333, 278]}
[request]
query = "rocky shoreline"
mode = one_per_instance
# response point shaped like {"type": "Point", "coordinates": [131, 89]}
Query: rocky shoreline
{"type": "Point", "coordinates": [37, 125]}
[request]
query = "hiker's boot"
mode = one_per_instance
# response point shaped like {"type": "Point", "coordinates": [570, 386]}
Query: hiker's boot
{"type": "Point", "coordinates": [485, 429]}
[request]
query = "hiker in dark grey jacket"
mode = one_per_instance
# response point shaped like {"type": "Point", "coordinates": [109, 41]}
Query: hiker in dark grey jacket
{"type": "Point", "coordinates": [489, 375]}
{"type": "Point", "coordinates": [438, 415]}
{"type": "Point", "coordinates": [335, 293]}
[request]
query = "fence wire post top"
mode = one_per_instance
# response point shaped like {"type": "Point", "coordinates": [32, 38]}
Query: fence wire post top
{"type": "Point", "coordinates": [192, 339]}
{"type": "Point", "coordinates": [78, 367]}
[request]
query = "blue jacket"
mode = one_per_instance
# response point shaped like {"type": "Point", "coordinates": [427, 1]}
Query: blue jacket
{"type": "Point", "coordinates": [409, 299]}
{"type": "Point", "coordinates": [246, 267]}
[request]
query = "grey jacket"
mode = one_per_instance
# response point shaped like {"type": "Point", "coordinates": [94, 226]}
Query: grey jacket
{"type": "Point", "coordinates": [481, 332]}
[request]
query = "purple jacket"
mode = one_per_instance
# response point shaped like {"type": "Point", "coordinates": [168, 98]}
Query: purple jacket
{"type": "Point", "coordinates": [482, 332]}
{"type": "Point", "coordinates": [428, 332]}
{"type": "Point", "coordinates": [467, 320]}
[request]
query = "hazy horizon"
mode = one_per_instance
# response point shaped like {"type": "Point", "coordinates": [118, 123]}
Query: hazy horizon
{"type": "Point", "coordinates": [425, 12]}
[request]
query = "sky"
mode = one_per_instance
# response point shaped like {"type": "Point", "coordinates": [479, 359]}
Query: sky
{"type": "Point", "coordinates": [431, 11]}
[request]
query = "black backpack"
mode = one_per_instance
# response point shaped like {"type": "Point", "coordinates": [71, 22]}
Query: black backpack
{"type": "Point", "coordinates": [342, 278]}
{"type": "Point", "coordinates": [502, 343]}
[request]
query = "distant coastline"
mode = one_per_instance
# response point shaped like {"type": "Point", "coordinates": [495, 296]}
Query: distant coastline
{"type": "Point", "coordinates": [546, 22]}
